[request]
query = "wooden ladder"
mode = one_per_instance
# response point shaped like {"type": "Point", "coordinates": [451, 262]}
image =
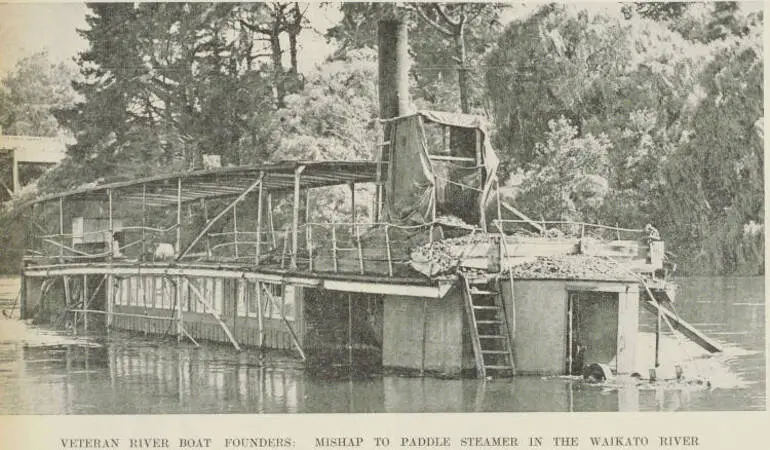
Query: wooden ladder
{"type": "Point", "coordinates": [490, 334]}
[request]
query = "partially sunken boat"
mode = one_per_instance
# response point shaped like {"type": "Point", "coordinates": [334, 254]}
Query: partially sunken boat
{"type": "Point", "coordinates": [443, 277]}
{"type": "Point", "coordinates": [447, 279]}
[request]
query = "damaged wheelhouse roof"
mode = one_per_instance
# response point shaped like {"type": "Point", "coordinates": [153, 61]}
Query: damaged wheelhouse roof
{"type": "Point", "coordinates": [163, 190]}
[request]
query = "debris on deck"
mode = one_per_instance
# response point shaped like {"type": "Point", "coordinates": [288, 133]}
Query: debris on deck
{"type": "Point", "coordinates": [573, 267]}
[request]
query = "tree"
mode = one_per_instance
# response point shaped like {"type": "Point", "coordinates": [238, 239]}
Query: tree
{"type": "Point", "coordinates": [568, 180]}
{"type": "Point", "coordinates": [454, 21]}
{"type": "Point", "coordinates": [447, 43]}
{"type": "Point", "coordinates": [30, 92]}
{"type": "Point", "coordinates": [717, 175]}
{"type": "Point", "coordinates": [333, 118]}
{"type": "Point", "coordinates": [166, 83]}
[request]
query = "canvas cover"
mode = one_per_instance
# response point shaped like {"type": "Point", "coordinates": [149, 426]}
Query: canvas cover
{"type": "Point", "coordinates": [418, 184]}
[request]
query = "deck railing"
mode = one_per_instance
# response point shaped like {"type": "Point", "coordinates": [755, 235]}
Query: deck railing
{"type": "Point", "coordinates": [338, 247]}
{"type": "Point", "coordinates": [558, 228]}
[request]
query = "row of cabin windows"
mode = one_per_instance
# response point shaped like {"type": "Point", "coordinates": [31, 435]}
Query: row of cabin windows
{"type": "Point", "coordinates": [154, 292]}
{"type": "Point", "coordinates": [269, 297]}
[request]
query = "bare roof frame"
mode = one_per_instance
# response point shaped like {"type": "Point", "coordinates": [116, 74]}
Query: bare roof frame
{"type": "Point", "coordinates": [162, 190]}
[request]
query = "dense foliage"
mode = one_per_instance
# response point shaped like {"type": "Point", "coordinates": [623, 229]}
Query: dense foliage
{"type": "Point", "coordinates": [632, 114]}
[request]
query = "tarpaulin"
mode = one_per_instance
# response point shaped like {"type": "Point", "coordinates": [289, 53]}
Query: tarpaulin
{"type": "Point", "coordinates": [424, 181]}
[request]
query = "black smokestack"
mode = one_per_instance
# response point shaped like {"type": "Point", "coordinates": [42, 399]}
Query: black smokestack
{"type": "Point", "coordinates": [393, 59]}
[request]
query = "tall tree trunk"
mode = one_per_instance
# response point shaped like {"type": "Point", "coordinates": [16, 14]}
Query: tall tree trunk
{"type": "Point", "coordinates": [462, 72]}
{"type": "Point", "coordinates": [276, 52]}
{"type": "Point", "coordinates": [293, 30]}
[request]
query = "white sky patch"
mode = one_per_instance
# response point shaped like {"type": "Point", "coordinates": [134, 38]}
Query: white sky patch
{"type": "Point", "coordinates": [27, 28]}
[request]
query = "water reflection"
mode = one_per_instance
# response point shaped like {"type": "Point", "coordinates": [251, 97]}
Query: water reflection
{"type": "Point", "coordinates": [49, 373]}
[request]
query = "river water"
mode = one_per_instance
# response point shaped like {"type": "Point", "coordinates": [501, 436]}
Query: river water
{"type": "Point", "coordinates": [53, 372]}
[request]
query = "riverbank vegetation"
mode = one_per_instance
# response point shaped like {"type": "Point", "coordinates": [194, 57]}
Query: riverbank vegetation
{"type": "Point", "coordinates": [620, 114]}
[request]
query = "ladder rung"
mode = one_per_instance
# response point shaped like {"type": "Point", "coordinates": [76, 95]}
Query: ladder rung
{"type": "Point", "coordinates": [487, 366]}
{"type": "Point", "coordinates": [486, 322]}
{"type": "Point", "coordinates": [475, 291]}
{"type": "Point", "coordinates": [495, 352]}
{"type": "Point", "coordinates": [490, 336]}
{"type": "Point", "coordinates": [486, 307]}
{"type": "Point", "coordinates": [478, 280]}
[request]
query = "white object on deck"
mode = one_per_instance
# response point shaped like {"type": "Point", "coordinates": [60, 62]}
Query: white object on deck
{"type": "Point", "coordinates": [164, 252]}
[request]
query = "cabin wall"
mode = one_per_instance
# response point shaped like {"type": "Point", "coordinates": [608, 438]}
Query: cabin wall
{"type": "Point", "coordinates": [30, 300]}
{"type": "Point", "coordinates": [334, 320]}
{"type": "Point", "coordinates": [540, 335]}
{"type": "Point", "coordinates": [628, 329]}
{"type": "Point", "coordinates": [540, 329]}
{"type": "Point", "coordinates": [235, 300]}
{"type": "Point", "coordinates": [440, 321]}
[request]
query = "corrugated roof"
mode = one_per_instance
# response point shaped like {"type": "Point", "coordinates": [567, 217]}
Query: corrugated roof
{"type": "Point", "coordinates": [225, 182]}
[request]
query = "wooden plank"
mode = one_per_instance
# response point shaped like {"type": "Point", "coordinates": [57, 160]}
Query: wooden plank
{"type": "Point", "coordinates": [207, 227]}
{"type": "Point", "coordinates": [214, 314]}
{"type": "Point", "coordinates": [682, 326]}
{"type": "Point", "coordinates": [295, 217]}
{"type": "Point", "coordinates": [286, 322]}
{"type": "Point", "coordinates": [612, 249]}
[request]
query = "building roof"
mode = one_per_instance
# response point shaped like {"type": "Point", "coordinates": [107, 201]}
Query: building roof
{"type": "Point", "coordinates": [30, 149]}
{"type": "Point", "coordinates": [162, 190]}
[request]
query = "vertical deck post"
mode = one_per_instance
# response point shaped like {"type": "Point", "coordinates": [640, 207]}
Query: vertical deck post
{"type": "Point", "coordinates": [206, 219]}
{"type": "Point", "coordinates": [308, 230]}
{"type": "Point", "coordinates": [295, 218]}
{"type": "Point", "coordinates": [309, 239]}
{"type": "Point", "coordinates": [177, 249]}
{"type": "Point", "coordinates": [178, 244]}
{"type": "Point", "coordinates": [15, 172]}
{"type": "Point", "coordinates": [570, 331]}
{"type": "Point", "coordinates": [260, 320]}
{"type": "Point", "coordinates": [424, 334]}
{"type": "Point", "coordinates": [352, 187]}
{"type": "Point", "coordinates": [110, 276]}
{"type": "Point", "coordinates": [350, 331]}
{"type": "Point", "coordinates": [387, 249]}
{"type": "Point", "coordinates": [144, 221]}
{"type": "Point", "coordinates": [499, 206]}
{"type": "Point", "coordinates": [658, 320]}
{"type": "Point", "coordinates": [179, 310]}
{"type": "Point", "coordinates": [61, 230]}
{"type": "Point", "coordinates": [258, 249]}
{"type": "Point", "coordinates": [270, 220]}
{"type": "Point", "coordinates": [378, 183]}
{"type": "Point", "coordinates": [480, 163]}
{"type": "Point", "coordinates": [360, 249]}
{"type": "Point", "coordinates": [85, 301]}
{"type": "Point", "coordinates": [334, 246]}
{"type": "Point", "coordinates": [235, 230]}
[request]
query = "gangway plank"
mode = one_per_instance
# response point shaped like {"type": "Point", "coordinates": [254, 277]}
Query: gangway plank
{"type": "Point", "coordinates": [682, 326]}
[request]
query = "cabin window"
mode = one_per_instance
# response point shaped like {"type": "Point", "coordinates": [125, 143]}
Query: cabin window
{"type": "Point", "coordinates": [133, 283]}
{"type": "Point", "coordinates": [119, 296]}
{"type": "Point", "coordinates": [185, 294]}
{"type": "Point", "coordinates": [163, 291]}
{"type": "Point", "coordinates": [273, 302]}
{"type": "Point", "coordinates": [128, 292]}
{"type": "Point", "coordinates": [241, 295]}
{"type": "Point", "coordinates": [195, 288]}
{"type": "Point", "coordinates": [125, 289]}
{"type": "Point", "coordinates": [248, 306]}
{"type": "Point", "coordinates": [288, 305]}
{"type": "Point", "coordinates": [149, 298]}
{"type": "Point", "coordinates": [218, 295]}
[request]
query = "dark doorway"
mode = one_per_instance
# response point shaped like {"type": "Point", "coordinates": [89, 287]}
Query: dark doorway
{"type": "Point", "coordinates": [592, 329]}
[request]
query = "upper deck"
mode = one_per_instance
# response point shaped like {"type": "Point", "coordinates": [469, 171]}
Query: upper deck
{"type": "Point", "coordinates": [430, 203]}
